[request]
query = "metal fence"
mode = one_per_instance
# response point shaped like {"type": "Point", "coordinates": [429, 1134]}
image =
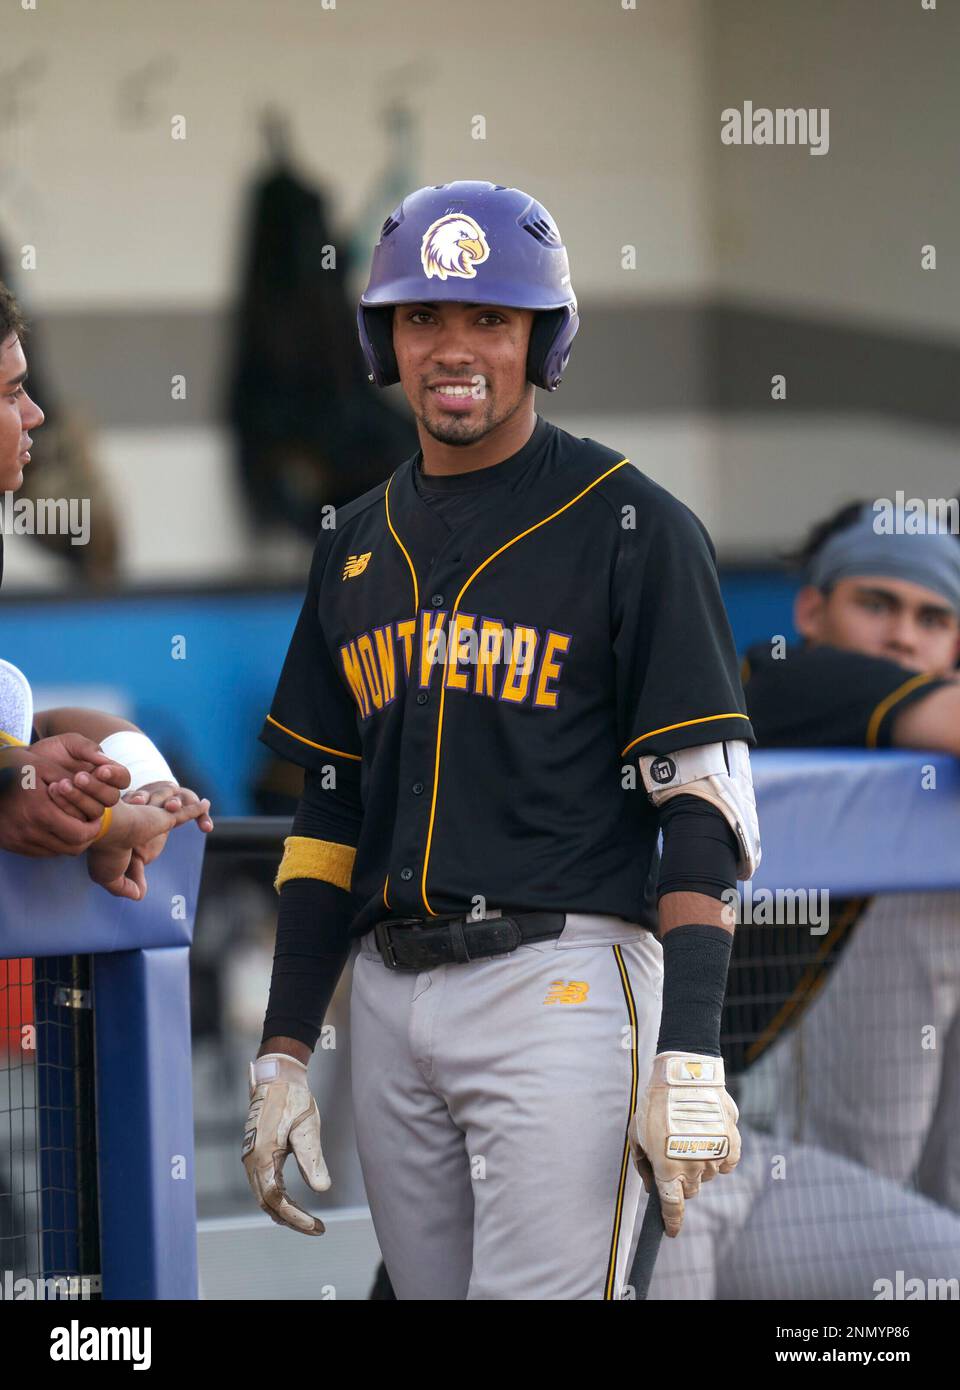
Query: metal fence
{"type": "Point", "coordinates": [49, 1196]}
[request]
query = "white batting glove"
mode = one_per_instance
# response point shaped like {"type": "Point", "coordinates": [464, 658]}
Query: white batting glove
{"type": "Point", "coordinates": [283, 1118]}
{"type": "Point", "coordinates": [684, 1131]}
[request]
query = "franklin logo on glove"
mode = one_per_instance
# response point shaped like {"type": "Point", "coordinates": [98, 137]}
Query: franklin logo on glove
{"type": "Point", "coordinates": [684, 1132]}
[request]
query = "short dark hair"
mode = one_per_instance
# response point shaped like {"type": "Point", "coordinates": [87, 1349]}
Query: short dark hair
{"type": "Point", "coordinates": [11, 316]}
{"type": "Point", "coordinates": [820, 533]}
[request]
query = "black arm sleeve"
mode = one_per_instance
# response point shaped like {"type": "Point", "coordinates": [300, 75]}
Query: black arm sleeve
{"type": "Point", "coordinates": [699, 856]}
{"type": "Point", "coordinates": [696, 959]}
{"type": "Point", "coordinates": [699, 849]}
{"type": "Point", "coordinates": [330, 812]}
{"type": "Point", "coordinates": [311, 950]}
{"type": "Point", "coordinates": [313, 925]}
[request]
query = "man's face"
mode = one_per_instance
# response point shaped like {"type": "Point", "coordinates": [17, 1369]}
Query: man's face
{"type": "Point", "coordinates": [481, 349]}
{"type": "Point", "coordinates": [891, 618]}
{"type": "Point", "coordinates": [18, 415]}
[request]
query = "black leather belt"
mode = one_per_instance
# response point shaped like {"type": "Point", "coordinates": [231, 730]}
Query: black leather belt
{"type": "Point", "coordinates": [416, 943]}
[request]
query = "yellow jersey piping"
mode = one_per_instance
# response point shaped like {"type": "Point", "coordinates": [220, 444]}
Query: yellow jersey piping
{"type": "Point", "coordinates": [877, 717]}
{"type": "Point", "coordinates": [406, 556]}
{"type": "Point", "coordinates": [684, 724]}
{"type": "Point", "coordinates": [626, 1159]}
{"type": "Point", "coordinates": [338, 752]}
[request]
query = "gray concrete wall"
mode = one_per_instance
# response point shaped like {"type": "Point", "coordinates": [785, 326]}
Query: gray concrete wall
{"type": "Point", "coordinates": [751, 261]}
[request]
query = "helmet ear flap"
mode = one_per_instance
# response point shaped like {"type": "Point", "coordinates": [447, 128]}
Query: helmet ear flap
{"type": "Point", "coordinates": [551, 338]}
{"type": "Point", "coordinates": [544, 330]}
{"type": "Point", "coordinates": [376, 339]}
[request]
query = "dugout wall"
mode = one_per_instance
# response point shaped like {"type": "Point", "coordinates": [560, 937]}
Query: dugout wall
{"type": "Point", "coordinates": [96, 1121]}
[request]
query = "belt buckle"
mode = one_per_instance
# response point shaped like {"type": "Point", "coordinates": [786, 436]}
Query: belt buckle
{"type": "Point", "coordinates": [381, 935]}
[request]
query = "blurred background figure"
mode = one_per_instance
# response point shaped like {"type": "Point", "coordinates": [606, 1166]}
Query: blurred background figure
{"type": "Point", "coordinates": [64, 464]}
{"type": "Point", "coordinates": [310, 429]}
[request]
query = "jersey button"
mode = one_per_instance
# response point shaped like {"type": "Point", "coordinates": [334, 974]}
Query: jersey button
{"type": "Point", "coordinates": [437, 600]}
{"type": "Point", "coordinates": [406, 875]}
{"type": "Point", "coordinates": [422, 698]}
{"type": "Point", "coordinates": [417, 788]}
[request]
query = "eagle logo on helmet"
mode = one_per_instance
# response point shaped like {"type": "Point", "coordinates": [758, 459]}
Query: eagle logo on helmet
{"type": "Point", "coordinates": [453, 246]}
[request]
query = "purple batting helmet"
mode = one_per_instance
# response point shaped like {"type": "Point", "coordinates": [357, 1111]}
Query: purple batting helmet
{"type": "Point", "coordinates": [473, 243]}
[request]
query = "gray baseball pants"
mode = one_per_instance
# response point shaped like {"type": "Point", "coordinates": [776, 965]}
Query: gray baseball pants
{"type": "Point", "coordinates": [491, 1101]}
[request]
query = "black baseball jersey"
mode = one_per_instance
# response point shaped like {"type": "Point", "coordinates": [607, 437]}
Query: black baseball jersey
{"type": "Point", "coordinates": [460, 498]}
{"type": "Point", "coordinates": [825, 697]}
{"type": "Point", "coordinates": [483, 686]}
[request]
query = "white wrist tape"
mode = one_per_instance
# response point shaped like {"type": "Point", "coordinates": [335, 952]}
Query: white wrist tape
{"type": "Point", "coordinates": [142, 759]}
{"type": "Point", "coordinates": [16, 704]}
{"type": "Point", "coordinates": [272, 1066]}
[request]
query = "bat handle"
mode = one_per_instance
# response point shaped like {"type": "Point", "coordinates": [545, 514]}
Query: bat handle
{"type": "Point", "coordinates": [648, 1245]}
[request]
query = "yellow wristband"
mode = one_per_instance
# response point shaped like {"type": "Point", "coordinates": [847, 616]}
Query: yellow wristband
{"type": "Point", "coordinates": [104, 824]}
{"type": "Point", "coordinates": [305, 857]}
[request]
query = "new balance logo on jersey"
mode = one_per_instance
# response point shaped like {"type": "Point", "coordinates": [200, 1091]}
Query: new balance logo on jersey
{"type": "Point", "coordinates": [355, 565]}
{"type": "Point", "coordinates": [567, 992]}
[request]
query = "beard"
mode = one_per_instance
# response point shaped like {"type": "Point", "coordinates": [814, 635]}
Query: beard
{"type": "Point", "coordinates": [458, 431]}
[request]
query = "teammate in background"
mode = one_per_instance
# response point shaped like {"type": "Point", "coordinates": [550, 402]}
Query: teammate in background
{"type": "Point", "coordinates": [63, 772]}
{"type": "Point", "coordinates": [873, 607]}
{"type": "Point", "coordinates": [880, 618]}
{"type": "Point", "coordinates": [512, 670]}
{"type": "Point", "coordinates": [834, 1030]}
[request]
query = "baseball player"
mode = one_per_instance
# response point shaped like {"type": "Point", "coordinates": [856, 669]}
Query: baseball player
{"type": "Point", "coordinates": [880, 616]}
{"type": "Point", "coordinates": [839, 1032]}
{"type": "Point", "coordinates": [511, 671]}
{"type": "Point", "coordinates": [79, 760]}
